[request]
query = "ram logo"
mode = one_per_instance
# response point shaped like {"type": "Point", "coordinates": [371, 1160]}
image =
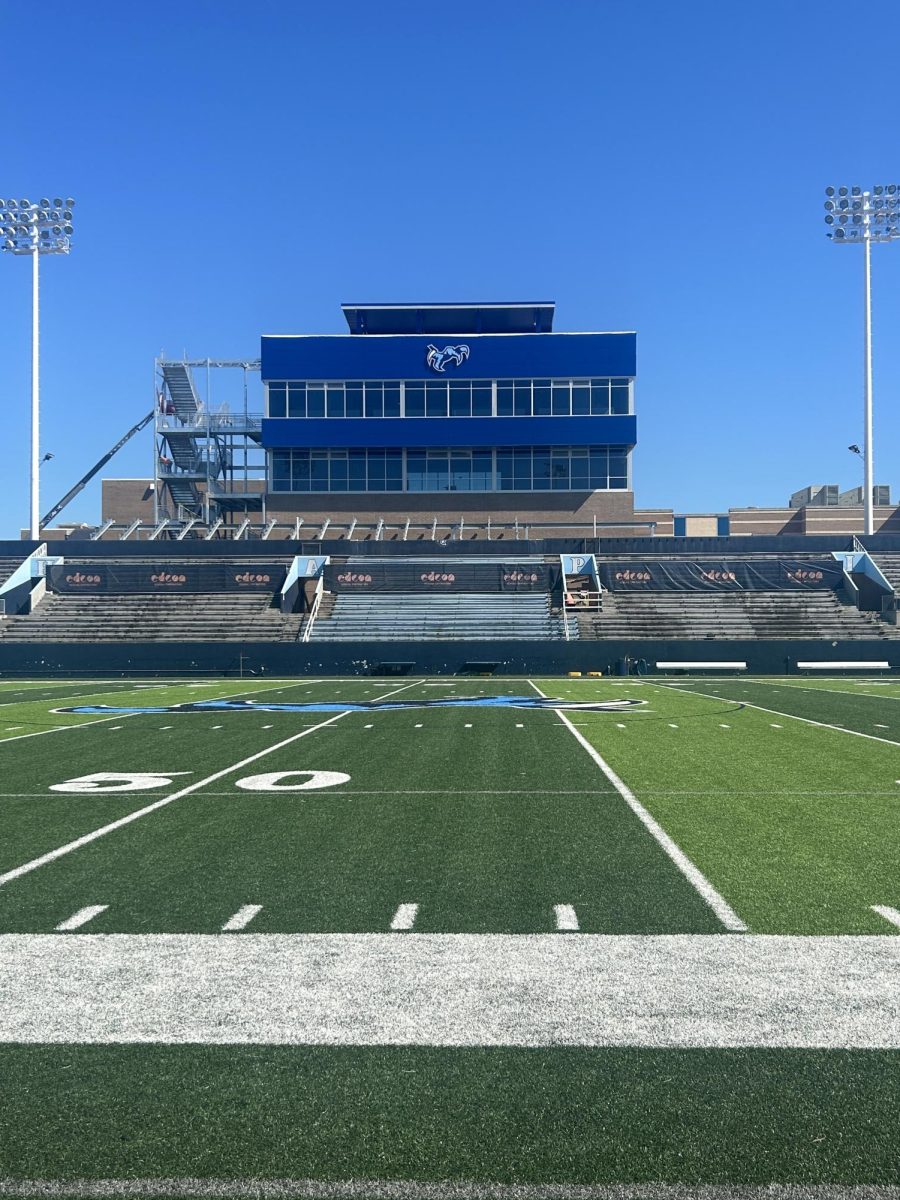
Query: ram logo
{"type": "Point", "coordinates": [438, 359]}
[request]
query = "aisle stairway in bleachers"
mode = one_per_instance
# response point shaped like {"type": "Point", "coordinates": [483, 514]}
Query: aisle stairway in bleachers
{"type": "Point", "coordinates": [460, 616]}
{"type": "Point", "coordinates": [744, 616]}
{"type": "Point", "coordinates": [889, 565]}
{"type": "Point", "coordinates": [8, 565]}
{"type": "Point", "coordinates": [194, 617]}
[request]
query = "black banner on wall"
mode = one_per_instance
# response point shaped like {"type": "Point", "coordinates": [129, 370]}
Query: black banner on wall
{"type": "Point", "coordinates": [123, 578]}
{"type": "Point", "coordinates": [720, 575]}
{"type": "Point", "coordinates": [448, 577]}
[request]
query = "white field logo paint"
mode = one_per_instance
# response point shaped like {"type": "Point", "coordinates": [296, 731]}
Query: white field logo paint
{"type": "Point", "coordinates": [108, 782]}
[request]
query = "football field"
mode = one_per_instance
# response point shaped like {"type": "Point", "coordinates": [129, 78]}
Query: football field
{"type": "Point", "coordinates": [450, 937]}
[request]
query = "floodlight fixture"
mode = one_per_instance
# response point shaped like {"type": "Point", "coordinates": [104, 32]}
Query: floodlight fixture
{"type": "Point", "coordinates": [36, 229]}
{"type": "Point", "coordinates": [874, 216]}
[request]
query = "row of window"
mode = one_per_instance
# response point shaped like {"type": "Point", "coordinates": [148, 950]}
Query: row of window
{"type": "Point", "coordinates": [522, 468]}
{"type": "Point", "coordinates": [452, 398]}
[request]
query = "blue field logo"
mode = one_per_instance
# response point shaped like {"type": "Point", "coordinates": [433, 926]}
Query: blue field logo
{"type": "Point", "coordinates": [325, 706]}
{"type": "Point", "coordinates": [438, 359]}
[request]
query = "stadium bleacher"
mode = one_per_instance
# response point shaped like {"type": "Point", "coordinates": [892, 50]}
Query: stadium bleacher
{"type": "Point", "coordinates": [467, 616]}
{"type": "Point", "coordinates": [742, 616]}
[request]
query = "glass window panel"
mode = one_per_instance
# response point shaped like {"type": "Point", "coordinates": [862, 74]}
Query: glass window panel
{"type": "Point", "coordinates": [334, 394]}
{"type": "Point", "coordinates": [277, 393]}
{"type": "Point", "coordinates": [392, 399]}
{"type": "Point", "coordinates": [599, 397]}
{"type": "Point", "coordinates": [482, 399]}
{"type": "Point", "coordinates": [561, 399]}
{"type": "Point", "coordinates": [460, 398]}
{"type": "Point", "coordinates": [296, 405]}
{"type": "Point", "coordinates": [522, 403]}
{"type": "Point", "coordinates": [581, 399]}
{"type": "Point", "coordinates": [315, 401]}
{"type": "Point", "coordinates": [374, 400]}
{"type": "Point", "coordinates": [618, 481]}
{"type": "Point", "coordinates": [504, 398]}
{"type": "Point", "coordinates": [620, 398]}
{"type": "Point", "coordinates": [541, 469]}
{"type": "Point", "coordinates": [339, 475]}
{"type": "Point", "coordinates": [353, 399]}
{"type": "Point", "coordinates": [542, 398]}
{"type": "Point", "coordinates": [436, 399]}
{"type": "Point", "coordinates": [415, 399]}
{"type": "Point", "coordinates": [580, 476]}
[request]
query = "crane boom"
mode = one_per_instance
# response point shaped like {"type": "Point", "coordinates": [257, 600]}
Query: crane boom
{"type": "Point", "coordinates": [98, 466]}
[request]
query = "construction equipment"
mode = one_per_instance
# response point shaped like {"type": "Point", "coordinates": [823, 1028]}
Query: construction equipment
{"type": "Point", "coordinates": [98, 466]}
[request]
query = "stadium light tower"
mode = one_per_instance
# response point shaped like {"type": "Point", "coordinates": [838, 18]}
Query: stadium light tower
{"type": "Point", "coordinates": [855, 216]}
{"type": "Point", "coordinates": [35, 229]}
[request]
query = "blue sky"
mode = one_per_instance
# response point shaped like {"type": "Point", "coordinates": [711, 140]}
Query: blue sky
{"type": "Point", "coordinates": [649, 165]}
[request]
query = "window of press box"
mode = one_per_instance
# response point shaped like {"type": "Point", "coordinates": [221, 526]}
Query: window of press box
{"type": "Point", "coordinates": [455, 398]}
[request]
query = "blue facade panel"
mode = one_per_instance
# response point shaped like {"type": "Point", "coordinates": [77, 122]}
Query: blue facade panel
{"type": "Point", "coordinates": [491, 356]}
{"type": "Point", "coordinates": [413, 432]}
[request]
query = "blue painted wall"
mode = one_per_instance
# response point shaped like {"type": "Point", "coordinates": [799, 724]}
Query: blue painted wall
{"type": "Point", "coordinates": [491, 356]}
{"type": "Point", "coordinates": [352, 432]}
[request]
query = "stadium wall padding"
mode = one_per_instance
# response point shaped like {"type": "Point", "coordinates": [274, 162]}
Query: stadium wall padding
{"type": "Point", "coordinates": [166, 659]}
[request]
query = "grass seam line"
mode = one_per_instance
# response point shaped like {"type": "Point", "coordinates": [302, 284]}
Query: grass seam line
{"type": "Point", "coordinates": [777, 712]}
{"type": "Point", "coordinates": [688, 869]}
{"type": "Point", "coordinates": [86, 839]}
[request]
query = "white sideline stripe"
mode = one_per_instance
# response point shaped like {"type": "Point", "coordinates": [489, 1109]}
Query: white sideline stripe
{"type": "Point", "coordinates": [414, 1189]}
{"type": "Point", "coordinates": [551, 989]}
{"type": "Point", "coordinates": [776, 712]}
{"type": "Point", "coordinates": [889, 914]}
{"type": "Point", "coordinates": [566, 917]}
{"type": "Point", "coordinates": [405, 916]}
{"type": "Point", "coordinates": [694, 876]}
{"type": "Point", "coordinates": [81, 917]}
{"type": "Point", "coordinates": [242, 917]}
{"type": "Point", "coordinates": [25, 868]}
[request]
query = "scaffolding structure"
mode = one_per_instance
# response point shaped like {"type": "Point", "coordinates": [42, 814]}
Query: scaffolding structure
{"type": "Point", "coordinates": [209, 464]}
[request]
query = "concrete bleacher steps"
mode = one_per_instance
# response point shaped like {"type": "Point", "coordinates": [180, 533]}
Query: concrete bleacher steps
{"type": "Point", "coordinates": [197, 617]}
{"type": "Point", "coordinates": [463, 616]}
{"type": "Point", "coordinates": [742, 616]}
{"type": "Point", "coordinates": [7, 566]}
{"type": "Point", "coordinates": [889, 565]}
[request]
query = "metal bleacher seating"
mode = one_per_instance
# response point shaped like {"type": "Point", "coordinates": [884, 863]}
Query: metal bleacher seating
{"type": "Point", "coordinates": [198, 617]}
{"type": "Point", "coordinates": [742, 616]}
{"type": "Point", "coordinates": [462, 616]}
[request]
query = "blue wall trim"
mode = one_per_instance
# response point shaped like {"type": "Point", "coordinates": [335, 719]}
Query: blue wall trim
{"type": "Point", "coordinates": [352, 432]}
{"type": "Point", "coordinates": [491, 356]}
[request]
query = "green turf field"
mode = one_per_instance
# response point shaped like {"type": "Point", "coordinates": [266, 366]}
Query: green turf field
{"type": "Point", "coordinates": [352, 949]}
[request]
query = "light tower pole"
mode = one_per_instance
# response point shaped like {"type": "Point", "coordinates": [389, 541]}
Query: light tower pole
{"type": "Point", "coordinates": [855, 216]}
{"type": "Point", "coordinates": [35, 229]}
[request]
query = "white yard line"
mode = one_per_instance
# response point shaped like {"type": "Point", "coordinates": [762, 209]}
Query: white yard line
{"type": "Point", "coordinates": [242, 917]}
{"type": "Point", "coordinates": [799, 687]}
{"type": "Point", "coordinates": [81, 917]}
{"type": "Point", "coordinates": [405, 917]}
{"type": "Point", "coordinates": [889, 914]}
{"type": "Point", "coordinates": [53, 855]}
{"type": "Point", "coordinates": [694, 876]}
{"type": "Point", "coordinates": [777, 712]}
{"type": "Point", "coordinates": [372, 989]}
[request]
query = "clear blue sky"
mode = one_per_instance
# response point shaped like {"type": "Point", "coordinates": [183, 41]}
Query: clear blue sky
{"type": "Point", "coordinates": [650, 165]}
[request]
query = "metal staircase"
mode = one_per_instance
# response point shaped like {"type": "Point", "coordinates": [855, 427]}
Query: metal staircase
{"type": "Point", "coordinates": [202, 453]}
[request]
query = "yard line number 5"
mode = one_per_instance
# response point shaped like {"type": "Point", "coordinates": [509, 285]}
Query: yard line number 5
{"type": "Point", "coordinates": [143, 781]}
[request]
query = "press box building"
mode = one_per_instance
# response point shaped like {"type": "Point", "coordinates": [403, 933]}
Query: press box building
{"type": "Point", "coordinates": [420, 411]}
